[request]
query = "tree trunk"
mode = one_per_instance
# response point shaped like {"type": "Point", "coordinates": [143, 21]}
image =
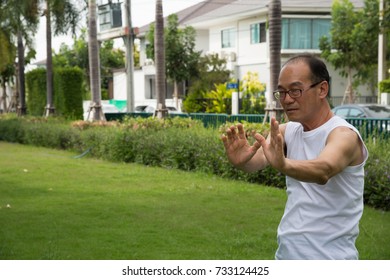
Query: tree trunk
{"type": "Point", "coordinates": [4, 97]}
{"type": "Point", "coordinates": [349, 94]}
{"type": "Point", "coordinates": [21, 110]}
{"type": "Point", "coordinates": [49, 111]}
{"type": "Point", "coordinates": [275, 43]}
{"type": "Point", "coordinates": [94, 64]}
{"type": "Point", "coordinates": [176, 94]}
{"type": "Point", "coordinates": [160, 61]}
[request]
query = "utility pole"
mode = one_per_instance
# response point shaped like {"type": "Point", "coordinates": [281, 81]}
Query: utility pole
{"type": "Point", "coordinates": [129, 58]}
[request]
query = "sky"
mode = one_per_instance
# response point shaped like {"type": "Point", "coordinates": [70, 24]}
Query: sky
{"type": "Point", "coordinates": [142, 12]}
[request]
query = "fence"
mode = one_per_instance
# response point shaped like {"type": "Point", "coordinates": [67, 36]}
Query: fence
{"type": "Point", "coordinates": [367, 126]}
{"type": "Point", "coordinates": [209, 120]}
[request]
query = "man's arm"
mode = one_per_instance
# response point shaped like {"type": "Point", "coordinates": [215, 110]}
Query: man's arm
{"type": "Point", "coordinates": [343, 148]}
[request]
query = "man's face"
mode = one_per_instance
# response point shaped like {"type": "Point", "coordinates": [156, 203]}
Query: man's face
{"type": "Point", "coordinates": [295, 79]}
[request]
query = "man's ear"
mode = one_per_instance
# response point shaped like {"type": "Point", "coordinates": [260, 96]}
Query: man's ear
{"type": "Point", "coordinates": [324, 87]}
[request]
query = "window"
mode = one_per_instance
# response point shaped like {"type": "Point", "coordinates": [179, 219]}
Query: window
{"type": "Point", "coordinates": [356, 113]}
{"type": "Point", "coordinates": [228, 37]}
{"type": "Point", "coordinates": [302, 33]}
{"type": "Point", "coordinates": [258, 33]}
{"type": "Point", "coordinates": [150, 88]}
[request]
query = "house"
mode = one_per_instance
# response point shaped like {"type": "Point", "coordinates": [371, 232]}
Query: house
{"type": "Point", "coordinates": [237, 31]}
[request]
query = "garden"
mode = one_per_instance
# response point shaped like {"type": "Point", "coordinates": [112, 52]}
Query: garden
{"type": "Point", "coordinates": [150, 189]}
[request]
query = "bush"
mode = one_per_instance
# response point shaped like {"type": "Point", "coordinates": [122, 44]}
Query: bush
{"type": "Point", "coordinates": [68, 97]}
{"type": "Point", "coordinates": [36, 89]}
{"type": "Point", "coordinates": [384, 86]}
{"type": "Point", "coordinates": [377, 187]}
{"type": "Point", "coordinates": [175, 143]}
{"type": "Point", "coordinates": [68, 92]}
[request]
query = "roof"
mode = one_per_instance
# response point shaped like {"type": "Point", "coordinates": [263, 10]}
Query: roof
{"type": "Point", "coordinates": [205, 13]}
{"type": "Point", "coordinates": [194, 11]}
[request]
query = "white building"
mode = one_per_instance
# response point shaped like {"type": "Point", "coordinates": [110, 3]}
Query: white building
{"type": "Point", "coordinates": [236, 29]}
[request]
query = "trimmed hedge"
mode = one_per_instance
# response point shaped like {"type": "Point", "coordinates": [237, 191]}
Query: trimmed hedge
{"type": "Point", "coordinates": [173, 143]}
{"type": "Point", "coordinates": [67, 96]}
{"type": "Point", "coordinates": [36, 91]}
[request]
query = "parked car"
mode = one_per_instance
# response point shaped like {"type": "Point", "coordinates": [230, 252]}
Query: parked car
{"type": "Point", "coordinates": [139, 109]}
{"type": "Point", "coordinates": [107, 108]}
{"type": "Point", "coordinates": [151, 109]}
{"type": "Point", "coordinates": [374, 111]}
{"type": "Point", "coordinates": [362, 111]}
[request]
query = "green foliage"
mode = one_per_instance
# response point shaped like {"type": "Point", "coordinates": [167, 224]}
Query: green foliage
{"type": "Point", "coordinates": [253, 98]}
{"type": "Point", "coordinates": [377, 188]}
{"type": "Point", "coordinates": [7, 51]}
{"type": "Point", "coordinates": [211, 71]}
{"type": "Point", "coordinates": [181, 59]}
{"type": "Point", "coordinates": [77, 55]}
{"type": "Point", "coordinates": [384, 86]}
{"type": "Point", "coordinates": [110, 59]}
{"type": "Point", "coordinates": [219, 99]}
{"type": "Point", "coordinates": [193, 104]}
{"type": "Point", "coordinates": [65, 16]}
{"type": "Point", "coordinates": [175, 143]}
{"type": "Point", "coordinates": [344, 20]}
{"type": "Point", "coordinates": [36, 91]}
{"type": "Point", "coordinates": [351, 32]}
{"type": "Point", "coordinates": [68, 98]}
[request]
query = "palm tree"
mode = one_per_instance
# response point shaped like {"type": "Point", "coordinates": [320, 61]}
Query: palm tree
{"type": "Point", "coordinates": [94, 63]}
{"type": "Point", "coordinates": [159, 54]}
{"type": "Point", "coordinates": [275, 42]}
{"type": "Point", "coordinates": [20, 18]}
{"type": "Point", "coordinates": [7, 57]}
{"type": "Point", "coordinates": [64, 15]}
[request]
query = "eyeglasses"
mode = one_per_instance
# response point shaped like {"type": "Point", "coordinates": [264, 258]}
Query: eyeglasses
{"type": "Point", "coordinates": [294, 93]}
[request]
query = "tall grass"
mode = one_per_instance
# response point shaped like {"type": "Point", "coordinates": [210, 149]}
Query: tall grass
{"type": "Point", "coordinates": [56, 206]}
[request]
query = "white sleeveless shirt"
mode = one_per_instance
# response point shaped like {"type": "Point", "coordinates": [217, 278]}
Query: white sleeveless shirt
{"type": "Point", "coordinates": [320, 221]}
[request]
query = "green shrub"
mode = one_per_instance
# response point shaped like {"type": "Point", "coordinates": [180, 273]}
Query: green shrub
{"type": "Point", "coordinates": [68, 98]}
{"type": "Point", "coordinates": [175, 143]}
{"type": "Point", "coordinates": [384, 86]}
{"type": "Point", "coordinates": [377, 169]}
{"type": "Point", "coordinates": [36, 91]}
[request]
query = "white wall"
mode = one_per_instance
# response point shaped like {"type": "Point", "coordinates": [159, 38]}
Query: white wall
{"type": "Point", "coordinates": [120, 88]}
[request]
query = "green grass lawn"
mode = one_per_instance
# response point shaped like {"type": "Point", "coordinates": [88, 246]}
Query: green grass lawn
{"type": "Point", "coordinates": [54, 206]}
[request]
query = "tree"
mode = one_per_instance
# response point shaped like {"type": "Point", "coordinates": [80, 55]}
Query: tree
{"type": "Point", "coordinates": [159, 54]}
{"type": "Point", "coordinates": [63, 15]}
{"type": "Point", "coordinates": [346, 57]}
{"type": "Point", "coordinates": [7, 58]}
{"type": "Point", "coordinates": [19, 19]}
{"type": "Point", "coordinates": [7, 50]}
{"type": "Point", "coordinates": [365, 37]}
{"type": "Point", "coordinates": [77, 55]}
{"type": "Point", "coordinates": [181, 57]}
{"type": "Point", "coordinates": [211, 70]}
{"type": "Point", "coordinates": [110, 58]}
{"type": "Point", "coordinates": [275, 45]}
{"type": "Point", "coordinates": [94, 63]}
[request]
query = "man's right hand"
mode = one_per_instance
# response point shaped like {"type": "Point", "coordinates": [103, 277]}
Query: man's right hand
{"type": "Point", "coordinates": [237, 148]}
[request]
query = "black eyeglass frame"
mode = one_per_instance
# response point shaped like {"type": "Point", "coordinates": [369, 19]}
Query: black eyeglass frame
{"type": "Point", "coordinates": [293, 93]}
